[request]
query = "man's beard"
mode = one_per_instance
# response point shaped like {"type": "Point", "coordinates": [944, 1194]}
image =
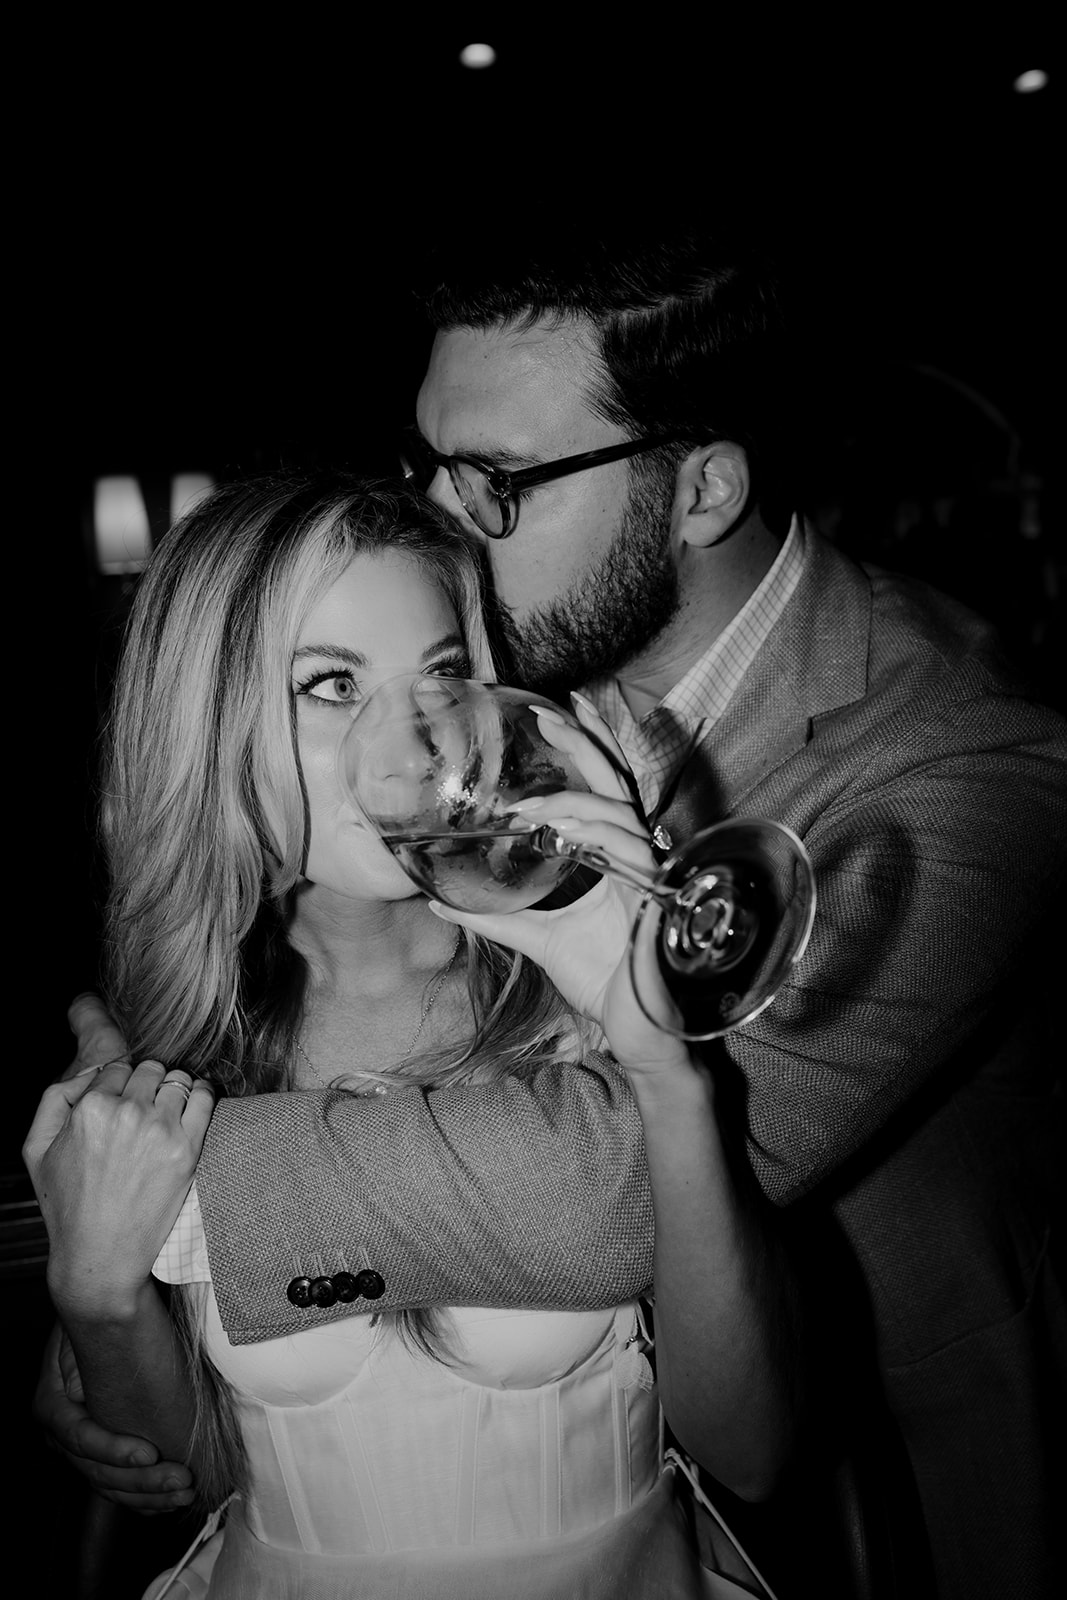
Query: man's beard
{"type": "Point", "coordinates": [608, 615]}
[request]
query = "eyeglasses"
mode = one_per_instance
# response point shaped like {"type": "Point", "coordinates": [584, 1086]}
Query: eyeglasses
{"type": "Point", "coordinates": [489, 495]}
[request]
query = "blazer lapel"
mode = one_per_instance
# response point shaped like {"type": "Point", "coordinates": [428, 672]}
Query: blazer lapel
{"type": "Point", "coordinates": [814, 662]}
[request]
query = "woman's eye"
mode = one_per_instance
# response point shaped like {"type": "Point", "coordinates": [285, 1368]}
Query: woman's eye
{"type": "Point", "coordinates": [338, 688]}
{"type": "Point", "coordinates": [457, 667]}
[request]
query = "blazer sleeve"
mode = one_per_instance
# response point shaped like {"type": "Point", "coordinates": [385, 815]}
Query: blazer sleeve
{"type": "Point", "coordinates": [518, 1193]}
{"type": "Point", "coordinates": [940, 870]}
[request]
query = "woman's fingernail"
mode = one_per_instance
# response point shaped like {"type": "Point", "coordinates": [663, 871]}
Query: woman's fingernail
{"type": "Point", "coordinates": [534, 803]}
{"type": "Point", "coordinates": [84, 1072]}
{"type": "Point", "coordinates": [550, 714]}
{"type": "Point", "coordinates": [586, 705]}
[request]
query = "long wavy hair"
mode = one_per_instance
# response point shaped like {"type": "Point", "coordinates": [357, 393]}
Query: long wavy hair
{"type": "Point", "coordinates": [204, 820]}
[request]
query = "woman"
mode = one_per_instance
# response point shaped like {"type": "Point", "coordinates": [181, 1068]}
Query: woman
{"type": "Point", "coordinates": [263, 938]}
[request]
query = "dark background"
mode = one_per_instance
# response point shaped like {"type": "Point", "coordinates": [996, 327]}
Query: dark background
{"type": "Point", "coordinates": [216, 232]}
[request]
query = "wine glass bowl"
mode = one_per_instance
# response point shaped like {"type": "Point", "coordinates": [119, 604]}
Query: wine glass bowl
{"type": "Point", "coordinates": [434, 764]}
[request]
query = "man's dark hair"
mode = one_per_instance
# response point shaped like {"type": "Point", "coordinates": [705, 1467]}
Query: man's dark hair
{"type": "Point", "coordinates": [693, 343]}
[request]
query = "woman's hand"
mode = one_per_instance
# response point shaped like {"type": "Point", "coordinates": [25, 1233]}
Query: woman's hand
{"type": "Point", "coordinates": [725, 1297]}
{"type": "Point", "coordinates": [111, 1154]}
{"type": "Point", "coordinates": [99, 1039]}
{"type": "Point", "coordinates": [584, 947]}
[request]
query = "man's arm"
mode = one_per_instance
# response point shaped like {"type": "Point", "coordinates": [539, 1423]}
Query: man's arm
{"type": "Point", "coordinates": [939, 868]}
{"type": "Point", "coordinates": [515, 1193]}
{"type": "Point", "coordinates": [507, 1194]}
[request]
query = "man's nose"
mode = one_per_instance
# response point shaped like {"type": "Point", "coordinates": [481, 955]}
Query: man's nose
{"type": "Point", "coordinates": [442, 491]}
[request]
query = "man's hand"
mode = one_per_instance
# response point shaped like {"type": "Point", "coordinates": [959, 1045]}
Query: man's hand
{"type": "Point", "coordinates": [120, 1467]}
{"type": "Point", "coordinates": [99, 1041]}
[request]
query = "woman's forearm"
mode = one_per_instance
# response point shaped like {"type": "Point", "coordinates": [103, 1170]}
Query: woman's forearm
{"type": "Point", "coordinates": [727, 1315]}
{"type": "Point", "coordinates": [133, 1367]}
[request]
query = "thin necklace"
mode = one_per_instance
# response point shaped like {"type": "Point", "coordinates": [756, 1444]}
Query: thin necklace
{"type": "Point", "coordinates": [379, 1088]}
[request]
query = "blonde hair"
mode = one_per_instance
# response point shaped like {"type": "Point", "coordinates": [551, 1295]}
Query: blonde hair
{"type": "Point", "coordinates": [204, 819]}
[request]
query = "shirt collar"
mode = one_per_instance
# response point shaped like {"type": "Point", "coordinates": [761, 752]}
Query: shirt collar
{"type": "Point", "coordinates": [658, 745]}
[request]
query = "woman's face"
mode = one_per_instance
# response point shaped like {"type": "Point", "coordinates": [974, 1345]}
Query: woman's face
{"type": "Point", "coordinates": [385, 615]}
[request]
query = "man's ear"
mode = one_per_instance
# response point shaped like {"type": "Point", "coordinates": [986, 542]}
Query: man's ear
{"type": "Point", "coordinates": [711, 493]}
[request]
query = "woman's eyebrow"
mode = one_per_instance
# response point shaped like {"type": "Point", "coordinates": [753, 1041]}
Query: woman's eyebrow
{"type": "Point", "coordinates": [351, 658]}
{"type": "Point", "coordinates": [354, 658]}
{"type": "Point", "coordinates": [450, 641]}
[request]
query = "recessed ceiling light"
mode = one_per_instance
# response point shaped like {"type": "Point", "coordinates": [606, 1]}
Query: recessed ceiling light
{"type": "Point", "coordinates": [1028, 82]}
{"type": "Point", "coordinates": [477, 55]}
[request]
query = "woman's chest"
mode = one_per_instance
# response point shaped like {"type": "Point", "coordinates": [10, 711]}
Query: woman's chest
{"type": "Point", "coordinates": [482, 1347]}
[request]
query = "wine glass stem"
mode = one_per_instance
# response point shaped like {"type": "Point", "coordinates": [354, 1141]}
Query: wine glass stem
{"type": "Point", "coordinates": [551, 843]}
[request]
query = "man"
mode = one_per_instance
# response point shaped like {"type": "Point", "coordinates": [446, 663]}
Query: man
{"type": "Point", "coordinates": [898, 1093]}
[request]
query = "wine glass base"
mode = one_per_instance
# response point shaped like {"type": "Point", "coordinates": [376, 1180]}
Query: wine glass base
{"type": "Point", "coordinates": [740, 917]}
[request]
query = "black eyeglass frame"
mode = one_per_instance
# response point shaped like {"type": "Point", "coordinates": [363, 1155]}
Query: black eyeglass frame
{"type": "Point", "coordinates": [506, 486]}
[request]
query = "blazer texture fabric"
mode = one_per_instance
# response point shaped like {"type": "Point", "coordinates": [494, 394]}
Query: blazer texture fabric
{"type": "Point", "coordinates": [900, 1090]}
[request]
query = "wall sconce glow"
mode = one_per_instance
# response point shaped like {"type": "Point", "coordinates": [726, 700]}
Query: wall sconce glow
{"type": "Point", "coordinates": [120, 526]}
{"type": "Point", "coordinates": [477, 55]}
{"type": "Point", "coordinates": [185, 489]}
{"type": "Point", "coordinates": [1030, 82]}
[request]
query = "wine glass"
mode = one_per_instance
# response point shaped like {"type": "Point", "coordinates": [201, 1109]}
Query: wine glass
{"type": "Point", "coordinates": [433, 764]}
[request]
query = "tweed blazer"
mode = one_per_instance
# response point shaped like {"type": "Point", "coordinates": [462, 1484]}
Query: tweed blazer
{"type": "Point", "coordinates": [888, 1078]}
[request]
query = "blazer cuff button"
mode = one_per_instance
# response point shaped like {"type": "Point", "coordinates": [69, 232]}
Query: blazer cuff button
{"type": "Point", "coordinates": [371, 1285]}
{"type": "Point", "coordinates": [299, 1292]}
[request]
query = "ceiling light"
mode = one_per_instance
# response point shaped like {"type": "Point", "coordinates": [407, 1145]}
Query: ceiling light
{"type": "Point", "coordinates": [477, 55]}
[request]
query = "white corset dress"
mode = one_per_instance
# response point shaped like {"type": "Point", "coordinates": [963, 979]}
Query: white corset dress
{"type": "Point", "coordinates": [527, 1466]}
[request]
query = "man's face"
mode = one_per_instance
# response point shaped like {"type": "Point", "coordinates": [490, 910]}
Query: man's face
{"type": "Point", "coordinates": [585, 580]}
